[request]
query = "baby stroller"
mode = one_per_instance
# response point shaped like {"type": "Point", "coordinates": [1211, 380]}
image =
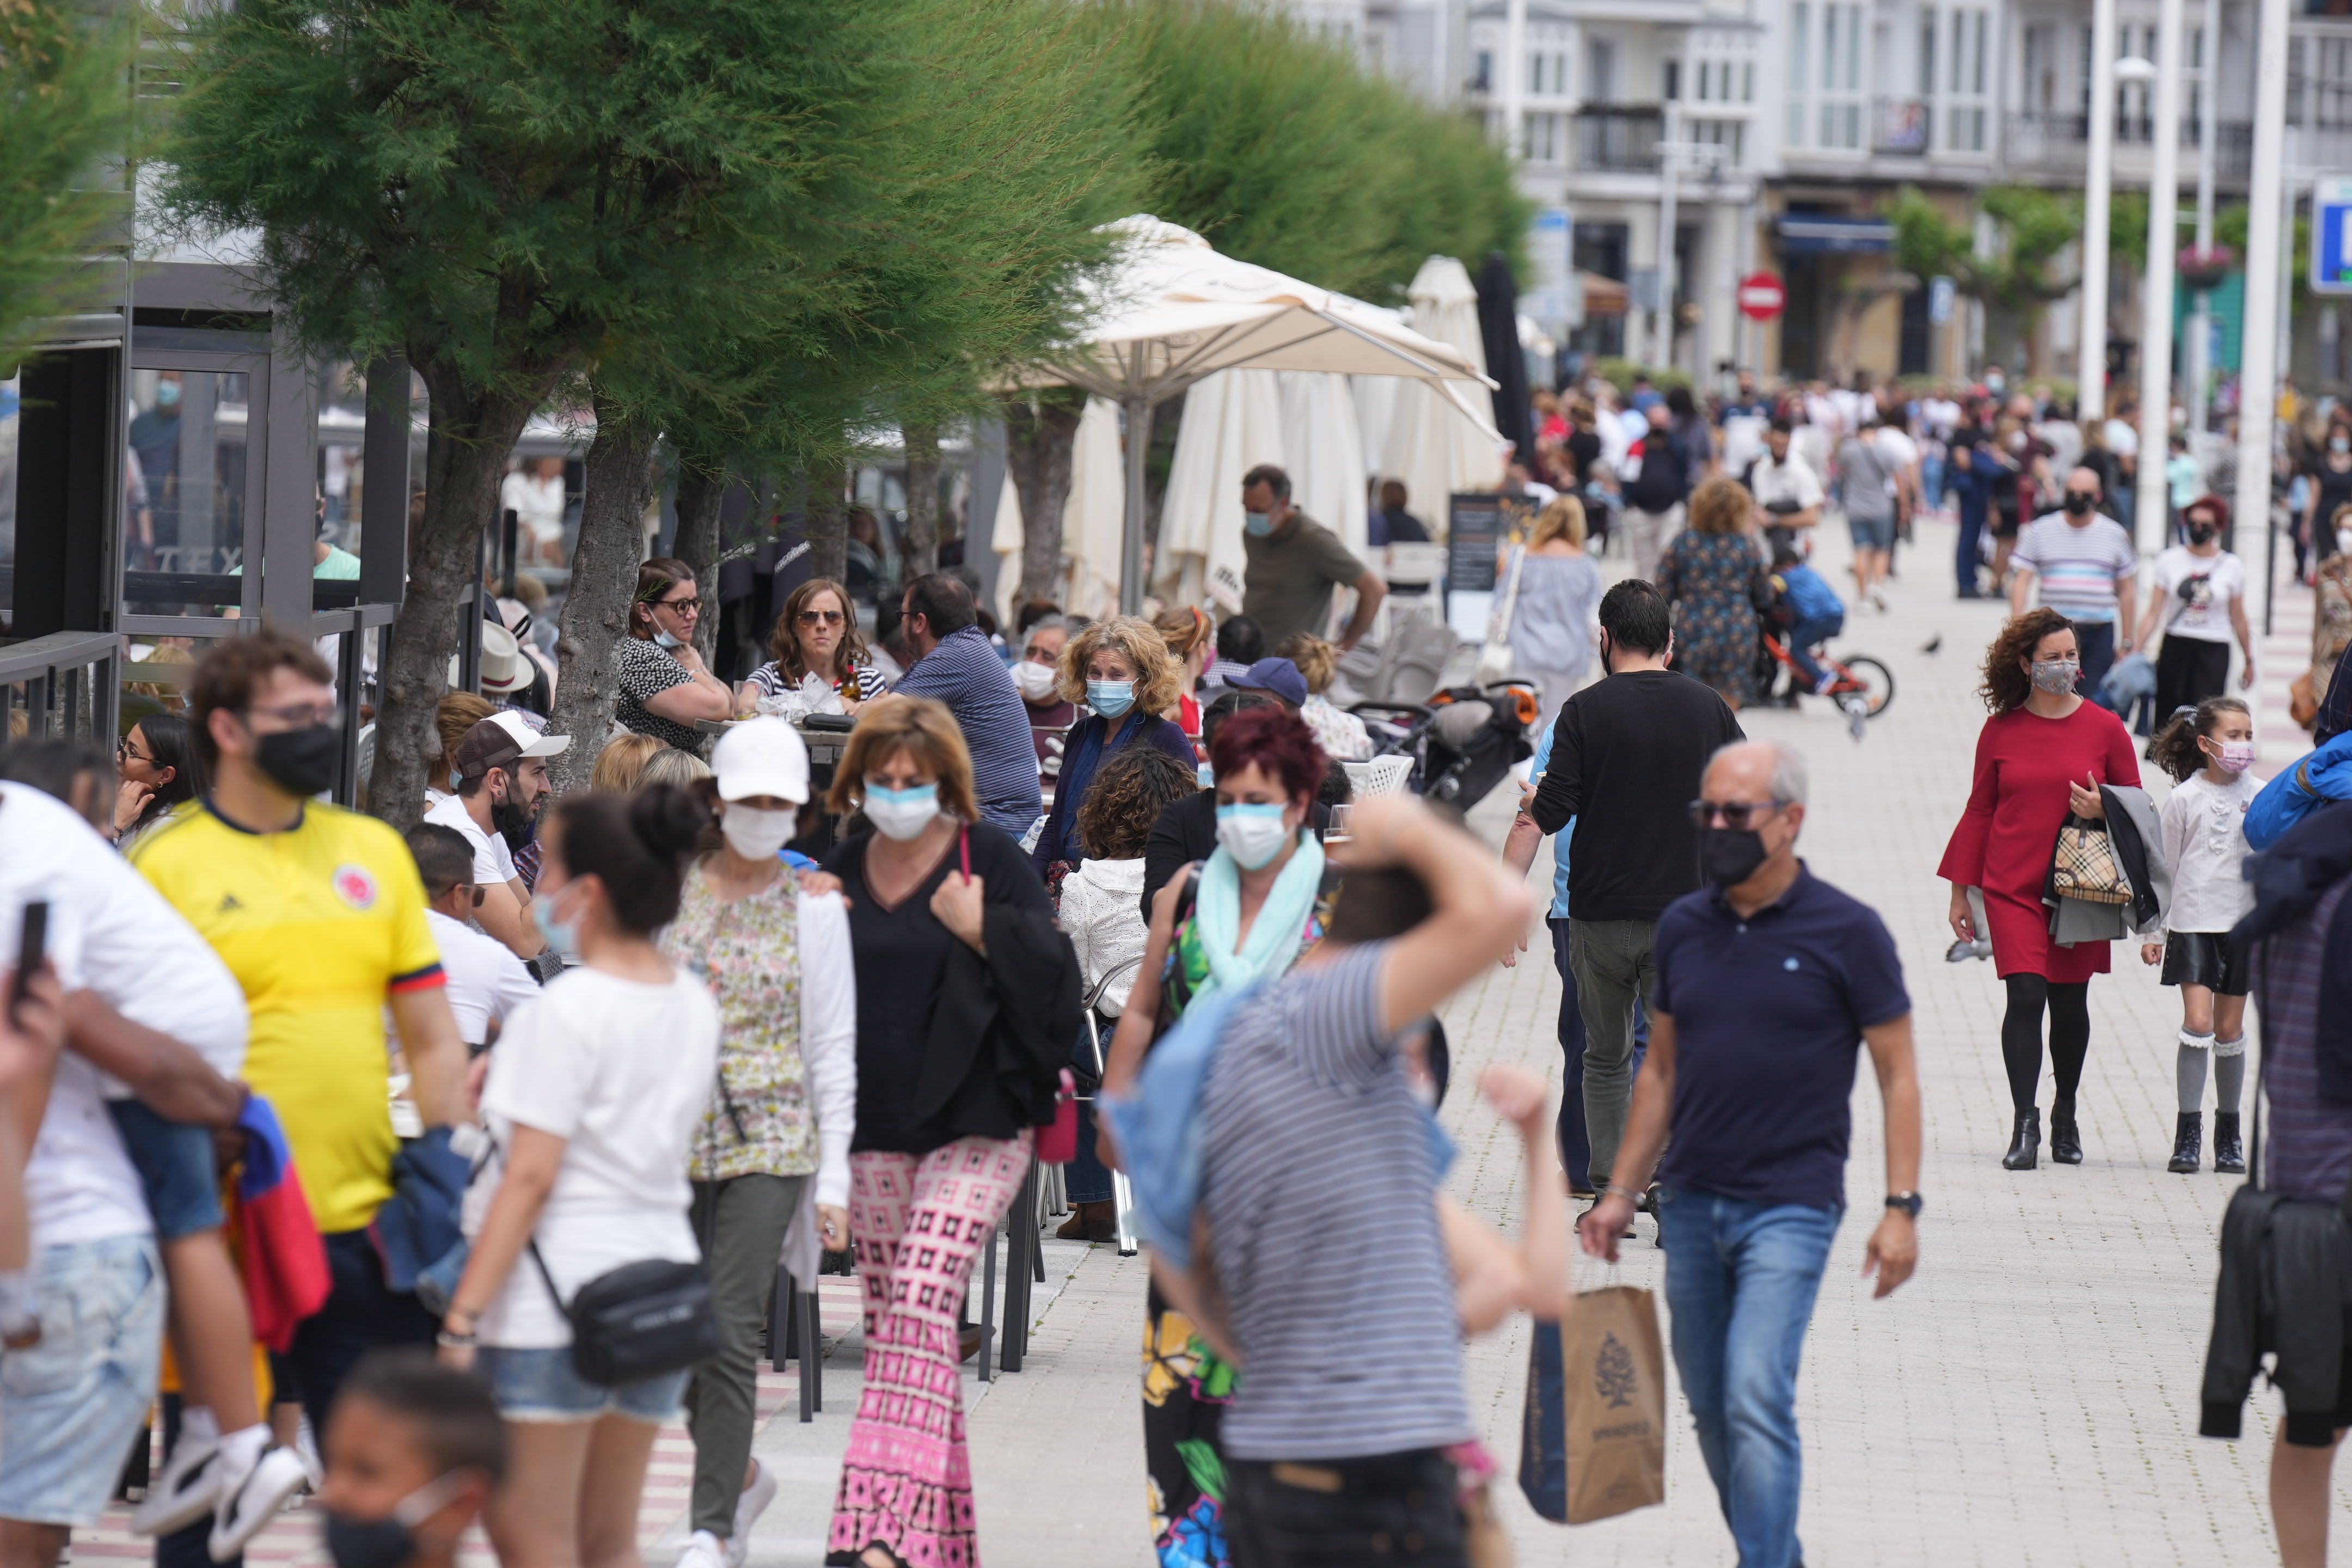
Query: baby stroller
{"type": "Point", "coordinates": [1463, 741]}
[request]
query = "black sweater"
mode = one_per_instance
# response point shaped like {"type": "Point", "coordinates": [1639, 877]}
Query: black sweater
{"type": "Point", "coordinates": [1626, 757]}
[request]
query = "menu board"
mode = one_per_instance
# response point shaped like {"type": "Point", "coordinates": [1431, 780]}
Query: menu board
{"type": "Point", "coordinates": [1475, 524]}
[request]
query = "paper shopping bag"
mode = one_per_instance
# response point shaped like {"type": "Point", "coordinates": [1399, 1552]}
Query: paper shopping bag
{"type": "Point", "coordinates": [1613, 1372]}
{"type": "Point", "coordinates": [1543, 1428]}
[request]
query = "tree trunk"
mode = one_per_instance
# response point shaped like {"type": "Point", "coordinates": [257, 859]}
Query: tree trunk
{"type": "Point", "coordinates": [700, 489]}
{"type": "Point", "coordinates": [467, 438]}
{"type": "Point", "coordinates": [921, 543]}
{"type": "Point", "coordinates": [620, 481]}
{"type": "Point", "coordinates": [828, 525]}
{"type": "Point", "coordinates": [1040, 432]}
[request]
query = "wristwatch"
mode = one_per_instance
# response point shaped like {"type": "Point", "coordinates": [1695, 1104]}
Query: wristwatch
{"type": "Point", "coordinates": [1909, 1203]}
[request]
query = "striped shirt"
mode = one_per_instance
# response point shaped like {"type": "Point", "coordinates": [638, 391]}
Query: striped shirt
{"type": "Point", "coordinates": [2079, 568]}
{"type": "Point", "coordinates": [2308, 1154]}
{"type": "Point", "coordinates": [1320, 1189]}
{"type": "Point", "coordinates": [964, 672]}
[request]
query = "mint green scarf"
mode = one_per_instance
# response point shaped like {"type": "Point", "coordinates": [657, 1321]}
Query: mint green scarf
{"type": "Point", "coordinates": [1273, 936]}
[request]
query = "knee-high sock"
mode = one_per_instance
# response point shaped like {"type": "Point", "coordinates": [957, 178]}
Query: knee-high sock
{"type": "Point", "coordinates": [2228, 1073]}
{"type": "Point", "coordinates": [2189, 1071]}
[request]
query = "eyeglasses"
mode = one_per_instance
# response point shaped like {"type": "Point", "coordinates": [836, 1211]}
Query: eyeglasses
{"type": "Point", "coordinates": [683, 606]}
{"type": "Point", "coordinates": [124, 753]}
{"type": "Point", "coordinates": [1736, 814]}
{"type": "Point", "coordinates": [820, 617]}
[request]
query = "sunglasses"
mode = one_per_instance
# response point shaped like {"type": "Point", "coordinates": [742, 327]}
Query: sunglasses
{"type": "Point", "coordinates": [1736, 814]}
{"type": "Point", "coordinates": [820, 617]}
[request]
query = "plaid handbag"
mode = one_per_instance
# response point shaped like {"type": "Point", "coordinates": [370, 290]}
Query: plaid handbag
{"type": "Point", "coordinates": [2086, 867]}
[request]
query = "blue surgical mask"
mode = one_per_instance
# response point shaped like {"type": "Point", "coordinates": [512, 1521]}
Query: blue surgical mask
{"type": "Point", "coordinates": [1257, 524]}
{"type": "Point", "coordinates": [1206, 775]}
{"type": "Point", "coordinates": [1110, 698]}
{"type": "Point", "coordinates": [666, 640]}
{"type": "Point", "coordinates": [167, 393]}
{"type": "Point", "coordinates": [901, 814]}
{"type": "Point", "coordinates": [564, 936]}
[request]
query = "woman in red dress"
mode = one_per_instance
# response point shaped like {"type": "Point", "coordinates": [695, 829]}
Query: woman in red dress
{"type": "Point", "coordinates": [2042, 754]}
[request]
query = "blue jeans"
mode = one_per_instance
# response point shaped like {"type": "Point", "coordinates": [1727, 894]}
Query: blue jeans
{"type": "Point", "coordinates": [1740, 1282]}
{"type": "Point", "coordinates": [2096, 640]}
{"type": "Point", "coordinates": [1808, 633]}
{"type": "Point", "coordinates": [1967, 562]}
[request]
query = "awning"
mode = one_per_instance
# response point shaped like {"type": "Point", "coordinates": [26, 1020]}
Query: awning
{"type": "Point", "coordinates": [1604, 296]}
{"type": "Point", "coordinates": [1820, 233]}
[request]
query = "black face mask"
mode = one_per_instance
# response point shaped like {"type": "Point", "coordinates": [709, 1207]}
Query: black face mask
{"type": "Point", "coordinates": [369, 1542]}
{"type": "Point", "coordinates": [1729, 856]}
{"type": "Point", "coordinates": [2202, 532]}
{"type": "Point", "coordinates": [2077, 503]}
{"type": "Point", "coordinates": [300, 761]}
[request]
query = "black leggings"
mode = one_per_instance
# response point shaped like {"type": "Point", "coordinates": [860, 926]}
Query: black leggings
{"type": "Point", "coordinates": [2021, 1036]}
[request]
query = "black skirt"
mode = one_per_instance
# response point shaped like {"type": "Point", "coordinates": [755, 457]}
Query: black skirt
{"type": "Point", "coordinates": [2204, 958]}
{"type": "Point", "coordinates": [2189, 670]}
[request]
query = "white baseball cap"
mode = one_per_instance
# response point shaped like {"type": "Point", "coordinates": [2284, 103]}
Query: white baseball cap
{"type": "Point", "coordinates": [764, 755]}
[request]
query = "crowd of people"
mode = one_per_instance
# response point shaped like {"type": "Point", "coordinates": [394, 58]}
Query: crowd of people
{"type": "Point", "coordinates": [449, 1160]}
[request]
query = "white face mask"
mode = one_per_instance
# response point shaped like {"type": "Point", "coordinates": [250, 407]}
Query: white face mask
{"type": "Point", "coordinates": [662, 638]}
{"type": "Point", "coordinates": [1252, 834]}
{"type": "Point", "coordinates": [1035, 680]}
{"type": "Point", "coordinates": [755, 834]}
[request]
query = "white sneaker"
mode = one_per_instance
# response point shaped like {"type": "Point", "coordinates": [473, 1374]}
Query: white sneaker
{"type": "Point", "coordinates": [703, 1549]}
{"type": "Point", "coordinates": [248, 1503]}
{"type": "Point", "coordinates": [749, 1507]}
{"type": "Point", "coordinates": [186, 1490]}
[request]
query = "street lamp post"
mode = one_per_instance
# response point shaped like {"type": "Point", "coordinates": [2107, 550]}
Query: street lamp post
{"type": "Point", "coordinates": [2200, 331]}
{"type": "Point", "coordinates": [2091, 383]}
{"type": "Point", "coordinates": [2265, 306]}
{"type": "Point", "coordinates": [2148, 511]}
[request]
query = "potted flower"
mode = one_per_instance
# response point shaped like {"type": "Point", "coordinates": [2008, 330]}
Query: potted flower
{"type": "Point", "coordinates": [2203, 268]}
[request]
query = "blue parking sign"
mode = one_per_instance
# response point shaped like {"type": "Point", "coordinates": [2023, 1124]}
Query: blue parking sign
{"type": "Point", "coordinates": [2331, 235]}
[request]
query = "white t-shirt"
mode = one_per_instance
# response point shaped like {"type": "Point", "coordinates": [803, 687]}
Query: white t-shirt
{"type": "Point", "coordinates": [2215, 583]}
{"type": "Point", "coordinates": [493, 861]}
{"type": "Point", "coordinates": [1789, 479]}
{"type": "Point", "coordinates": [2121, 439]}
{"type": "Point", "coordinates": [2203, 826]}
{"type": "Point", "coordinates": [110, 933]}
{"type": "Point", "coordinates": [621, 1071]}
{"type": "Point", "coordinates": [485, 979]}
{"type": "Point", "coordinates": [1895, 447]}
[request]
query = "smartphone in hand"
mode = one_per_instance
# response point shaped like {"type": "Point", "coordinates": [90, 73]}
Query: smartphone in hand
{"type": "Point", "coordinates": [32, 950]}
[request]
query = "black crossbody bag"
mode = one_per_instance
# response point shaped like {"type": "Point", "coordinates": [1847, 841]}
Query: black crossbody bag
{"type": "Point", "coordinates": [639, 1320]}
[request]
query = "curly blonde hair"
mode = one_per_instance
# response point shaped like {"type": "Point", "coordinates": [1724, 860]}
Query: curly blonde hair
{"type": "Point", "coordinates": [1318, 660]}
{"type": "Point", "coordinates": [1140, 642]}
{"type": "Point", "coordinates": [1719, 505]}
{"type": "Point", "coordinates": [920, 727]}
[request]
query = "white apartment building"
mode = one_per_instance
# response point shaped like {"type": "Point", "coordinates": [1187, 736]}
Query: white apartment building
{"type": "Point", "coordinates": [1788, 125]}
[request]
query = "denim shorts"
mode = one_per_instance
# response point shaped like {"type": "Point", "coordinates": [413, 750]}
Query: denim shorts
{"type": "Point", "coordinates": [175, 1162]}
{"type": "Point", "coordinates": [1871, 532]}
{"type": "Point", "coordinates": [71, 1405]}
{"type": "Point", "coordinates": [540, 1386]}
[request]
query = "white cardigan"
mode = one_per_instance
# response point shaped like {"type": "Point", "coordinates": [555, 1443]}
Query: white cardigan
{"type": "Point", "coordinates": [1102, 912]}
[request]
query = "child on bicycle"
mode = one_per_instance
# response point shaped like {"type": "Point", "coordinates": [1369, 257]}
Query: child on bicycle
{"type": "Point", "coordinates": [2210, 749]}
{"type": "Point", "coordinates": [1818, 614]}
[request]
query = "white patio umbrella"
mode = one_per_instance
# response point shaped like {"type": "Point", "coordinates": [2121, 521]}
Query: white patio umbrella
{"type": "Point", "coordinates": [1233, 422]}
{"type": "Point", "coordinates": [1091, 523]}
{"type": "Point", "coordinates": [1326, 453]}
{"type": "Point", "coordinates": [1172, 311]}
{"type": "Point", "coordinates": [1434, 454]}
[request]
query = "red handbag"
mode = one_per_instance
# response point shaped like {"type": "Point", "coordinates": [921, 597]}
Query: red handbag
{"type": "Point", "coordinates": [1058, 1141]}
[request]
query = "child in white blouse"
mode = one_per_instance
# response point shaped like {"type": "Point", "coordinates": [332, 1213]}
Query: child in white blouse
{"type": "Point", "coordinates": [2210, 749]}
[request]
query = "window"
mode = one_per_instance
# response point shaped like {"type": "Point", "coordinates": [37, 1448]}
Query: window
{"type": "Point", "coordinates": [2041, 68]}
{"type": "Point", "coordinates": [1835, 59]}
{"type": "Point", "coordinates": [1545, 144]}
{"type": "Point", "coordinates": [1967, 112]}
{"type": "Point", "coordinates": [1748, 82]}
{"type": "Point", "coordinates": [1601, 70]}
{"type": "Point", "coordinates": [1801, 37]}
{"type": "Point", "coordinates": [1731, 135]}
{"type": "Point", "coordinates": [1927, 56]}
{"type": "Point", "coordinates": [2193, 110]}
{"type": "Point", "coordinates": [1483, 78]}
{"type": "Point", "coordinates": [1673, 84]}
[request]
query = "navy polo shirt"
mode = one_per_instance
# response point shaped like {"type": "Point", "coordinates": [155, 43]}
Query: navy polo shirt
{"type": "Point", "coordinates": [1768, 1011]}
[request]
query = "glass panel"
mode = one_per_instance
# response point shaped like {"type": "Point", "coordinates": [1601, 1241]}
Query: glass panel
{"type": "Point", "coordinates": [184, 519]}
{"type": "Point", "coordinates": [9, 404]}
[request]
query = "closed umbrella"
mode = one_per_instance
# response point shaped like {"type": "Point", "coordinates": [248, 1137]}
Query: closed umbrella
{"type": "Point", "coordinates": [1233, 422]}
{"type": "Point", "coordinates": [1428, 449]}
{"type": "Point", "coordinates": [1171, 311]}
{"type": "Point", "coordinates": [1506, 367]}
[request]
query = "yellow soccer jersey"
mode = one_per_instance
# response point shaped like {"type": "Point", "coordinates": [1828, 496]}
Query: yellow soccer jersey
{"type": "Point", "coordinates": [318, 924]}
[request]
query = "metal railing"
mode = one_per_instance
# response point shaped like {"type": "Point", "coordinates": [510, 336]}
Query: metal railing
{"type": "Point", "coordinates": [2062, 141]}
{"type": "Point", "coordinates": [1619, 139]}
{"type": "Point", "coordinates": [65, 684]}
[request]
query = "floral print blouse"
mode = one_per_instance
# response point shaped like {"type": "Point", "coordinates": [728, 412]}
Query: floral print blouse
{"type": "Point", "coordinates": [760, 1120]}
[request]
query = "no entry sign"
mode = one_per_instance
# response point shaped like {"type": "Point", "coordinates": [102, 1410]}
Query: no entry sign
{"type": "Point", "coordinates": [1762, 296]}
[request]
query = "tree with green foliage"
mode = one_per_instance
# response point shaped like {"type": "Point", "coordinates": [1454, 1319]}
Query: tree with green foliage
{"type": "Point", "coordinates": [695, 206]}
{"type": "Point", "coordinates": [65, 96]}
{"type": "Point", "coordinates": [2015, 282]}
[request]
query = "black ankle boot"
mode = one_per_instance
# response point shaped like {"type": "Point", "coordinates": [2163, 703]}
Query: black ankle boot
{"type": "Point", "coordinates": [2188, 1140]}
{"type": "Point", "coordinates": [2065, 1138]}
{"type": "Point", "coordinates": [2229, 1159]}
{"type": "Point", "coordinates": [2024, 1147]}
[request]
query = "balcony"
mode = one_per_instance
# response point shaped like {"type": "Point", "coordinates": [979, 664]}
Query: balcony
{"type": "Point", "coordinates": [2061, 142]}
{"type": "Point", "coordinates": [1619, 139]}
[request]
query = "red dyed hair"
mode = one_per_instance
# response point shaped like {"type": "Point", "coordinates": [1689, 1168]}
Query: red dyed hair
{"type": "Point", "coordinates": [1275, 740]}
